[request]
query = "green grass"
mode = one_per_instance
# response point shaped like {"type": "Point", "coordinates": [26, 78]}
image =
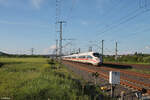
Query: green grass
{"type": "Point", "coordinates": [23, 60]}
{"type": "Point", "coordinates": [33, 78]}
{"type": "Point", "coordinates": [39, 79]}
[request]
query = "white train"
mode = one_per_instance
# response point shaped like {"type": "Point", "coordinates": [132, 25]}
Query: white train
{"type": "Point", "coordinates": [88, 57]}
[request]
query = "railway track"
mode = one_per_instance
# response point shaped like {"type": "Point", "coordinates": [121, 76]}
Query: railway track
{"type": "Point", "coordinates": [134, 84]}
{"type": "Point", "coordinates": [128, 72]}
{"type": "Point", "coordinates": [137, 66]}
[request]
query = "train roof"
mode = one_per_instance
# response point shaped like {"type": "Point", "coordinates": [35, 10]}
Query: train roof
{"type": "Point", "coordinates": [85, 53]}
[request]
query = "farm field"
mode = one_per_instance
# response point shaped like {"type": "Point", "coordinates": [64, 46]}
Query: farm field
{"type": "Point", "coordinates": [41, 79]}
{"type": "Point", "coordinates": [36, 79]}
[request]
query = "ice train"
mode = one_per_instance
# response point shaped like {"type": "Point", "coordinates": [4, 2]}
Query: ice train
{"type": "Point", "coordinates": [88, 57]}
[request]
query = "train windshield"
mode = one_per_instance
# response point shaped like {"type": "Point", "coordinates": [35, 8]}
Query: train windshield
{"type": "Point", "coordinates": [96, 54]}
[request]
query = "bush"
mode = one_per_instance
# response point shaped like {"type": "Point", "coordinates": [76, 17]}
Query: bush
{"type": "Point", "coordinates": [146, 59]}
{"type": "Point", "coordinates": [109, 58]}
{"type": "Point", "coordinates": [142, 58]}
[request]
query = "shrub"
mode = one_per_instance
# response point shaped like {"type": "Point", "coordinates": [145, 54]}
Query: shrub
{"type": "Point", "coordinates": [146, 59]}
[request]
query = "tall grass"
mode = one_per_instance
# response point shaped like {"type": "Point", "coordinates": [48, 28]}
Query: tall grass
{"type": "Point", "coordinates": [39, 79]}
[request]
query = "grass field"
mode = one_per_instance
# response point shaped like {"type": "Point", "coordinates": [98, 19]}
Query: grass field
{"type": "Point", "coordinates": [38, 79]}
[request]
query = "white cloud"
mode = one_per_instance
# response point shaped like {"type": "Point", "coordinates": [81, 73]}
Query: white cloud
{"type": "Point", "coordinates": [147, 47]}
{"type": "Point", "coordinates": [53, 47]}
{"type": "Point", "coordinates": [49, 50]}
{"type": "Point", "coordinates": [37, 3]}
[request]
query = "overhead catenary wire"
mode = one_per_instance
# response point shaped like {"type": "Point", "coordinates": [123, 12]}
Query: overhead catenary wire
{"type": "Point", "coordinates": [57, 17]}
{"type": "Point", "coordinates": [142, 6]}
{"type": "Point", "coordinates": [137, 12]}
{"type": "Point", "coordinates": [68, 16]}
{"type": "Point", "coordinates": [71, 10]}
{"type": "Point", "coordinates": [124, 21]}
{"type": "Point", "coordinates": [112, 9]}
{"type": "Point", "coordinates": [113, 25]}
{"type": "Point", "coordinates": [135, 33]}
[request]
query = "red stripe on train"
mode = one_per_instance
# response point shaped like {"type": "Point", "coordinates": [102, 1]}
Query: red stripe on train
{"type": "Point", "coordinates": [83, 59]}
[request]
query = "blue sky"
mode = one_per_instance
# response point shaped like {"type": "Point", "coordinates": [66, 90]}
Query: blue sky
{"type": "Point", "coordinates": [26, 24]}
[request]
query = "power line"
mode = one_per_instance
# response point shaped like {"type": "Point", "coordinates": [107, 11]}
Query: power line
{"type": "Point", "coordinates": [68, 17]}
{"type": "Point", "coordinates": [58, 14]}
{"type": "Point", "coordinates": [111, 26]}
{"type": "Point", "coordinates": [111, 9]}
{"type": "Point", "coordinates": [120, 18]}
{"type": "Point", "coordinates": [68, 43]}
{"type": "Point", "coordinates": [124, 21]}
{"type": "Point", "coordinates": [71, 9]}
{"type": "Point", "coordinates": [135, 33]}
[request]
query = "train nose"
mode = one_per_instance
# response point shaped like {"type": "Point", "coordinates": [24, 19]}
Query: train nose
{"type": "Point", "coordinates": [97, 59]}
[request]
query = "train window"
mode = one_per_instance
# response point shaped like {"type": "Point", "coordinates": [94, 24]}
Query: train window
{"type": "Point", "coordinates": [90, 57]}
{"type": "Point", "coordinates": [96, 54]}
{"type": "Point", "coordinates": [74, 57]}
{"type": "Point", "coordinates": [82, 56]}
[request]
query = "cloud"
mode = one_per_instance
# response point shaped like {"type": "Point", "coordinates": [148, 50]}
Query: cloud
{"type": "Point", "coordinates": [53, 47]}
{"type": "Point", "coordinates": [37, 3]}
{"type": "Point", "coordinates": [147, 47]}
{"type": "Point", "coordinates": [49, 50]}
